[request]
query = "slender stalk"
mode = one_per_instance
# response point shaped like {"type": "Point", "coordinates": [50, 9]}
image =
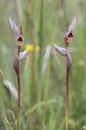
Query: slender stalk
{"type": "Point", "coordinates": [18, 80]}
{"type": "Point", "coordinates": [67, 88]}
{"type": "Point", "coordinates": [66, 9]}
{"type": "Point", "coordinates": [67, 96]}
{"type": "Point", "coordinates": [19, 10]}
{"type": "Point", "coordinates": [32, 89]}
{"type": "Point", "coordinates": [41, 22]}
{"type": "Point", "coordinates": [41, 33]}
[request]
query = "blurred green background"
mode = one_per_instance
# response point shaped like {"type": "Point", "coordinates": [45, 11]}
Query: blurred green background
{"type": "Point", "coordinates": [43, 80]}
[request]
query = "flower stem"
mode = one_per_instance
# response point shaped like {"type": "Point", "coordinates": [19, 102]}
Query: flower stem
{"type": "Point", "coordinates": [67, 88]}
{"type": "Point", "coordinates": [67, 96]}
{"type": "Point", "coordinates": [18, 78]}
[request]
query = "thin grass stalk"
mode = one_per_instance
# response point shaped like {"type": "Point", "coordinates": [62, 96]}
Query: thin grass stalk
{"type": "Point", "coordinates": [32, 89]}
{"type": "Point", "coordinates": [46, 91]}
{"type": "Point", "coordinates": [19, 10]}
{"type": "Point", "coordinates": [41, 33]}
{"type": "Point", "coordinates": [41, 21]}
{"type": "Point", "coordinates": [66, 8]}
{"type": "Point", "coordinates": [41, 46]}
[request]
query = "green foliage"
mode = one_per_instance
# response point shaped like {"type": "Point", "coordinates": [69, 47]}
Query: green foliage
{"type": "Point", "coordinates": [43, 91]}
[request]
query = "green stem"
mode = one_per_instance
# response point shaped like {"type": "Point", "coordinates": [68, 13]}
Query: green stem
{"type": "Point", "coordinates": [19, 10]}
{"type": "Point", "coordinates": [41, 33]}
{"type": "Point", "coordinates": [32, 89]}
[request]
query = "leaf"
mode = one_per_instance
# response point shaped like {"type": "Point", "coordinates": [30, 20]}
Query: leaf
{"type": "Point", "coordinates": [45, 59]}
{"type": "Point", "coordinates": [40, 104]}
{"type": "Point", "coordinates": [11, 88]}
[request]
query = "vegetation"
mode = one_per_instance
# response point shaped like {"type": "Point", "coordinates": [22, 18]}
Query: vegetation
{"type": "Point", "coordinates": [43, 91]}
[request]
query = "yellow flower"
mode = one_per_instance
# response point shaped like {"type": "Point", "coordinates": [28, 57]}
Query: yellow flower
{"type": "Point", "coordinates": [31, 47]}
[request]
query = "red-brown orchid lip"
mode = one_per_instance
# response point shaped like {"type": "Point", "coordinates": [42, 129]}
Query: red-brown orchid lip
{"type": "Point", "coordinates": [69, 31]}
{"type": "Point", "coordinates": [68, 34]}
{"type": "Point", "coordinates": [20, 38]}
{"type": "Point", "coordinates": [68, 37]}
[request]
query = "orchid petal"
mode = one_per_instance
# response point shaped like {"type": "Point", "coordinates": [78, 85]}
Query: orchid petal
{"type": "Point", "coordinates": [14, 27]}
{"type": "Point", "coordinates": [72, 26]}
{"type": "Point", "coordinates": [23, 54]}
{"type": "Point", "coordinates": [60, 50]}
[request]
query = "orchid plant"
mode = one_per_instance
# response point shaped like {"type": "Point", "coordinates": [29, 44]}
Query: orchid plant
{"type": "Point", "coordinates": [68, 38]}
{"type": "Point", "coordinates": [18, 56]}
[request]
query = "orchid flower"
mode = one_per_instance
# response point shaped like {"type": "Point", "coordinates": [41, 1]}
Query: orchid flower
{"type": "Point", "coordinates": [68, 37]}
{"type": "Point", "coordinates": [16, 31]}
